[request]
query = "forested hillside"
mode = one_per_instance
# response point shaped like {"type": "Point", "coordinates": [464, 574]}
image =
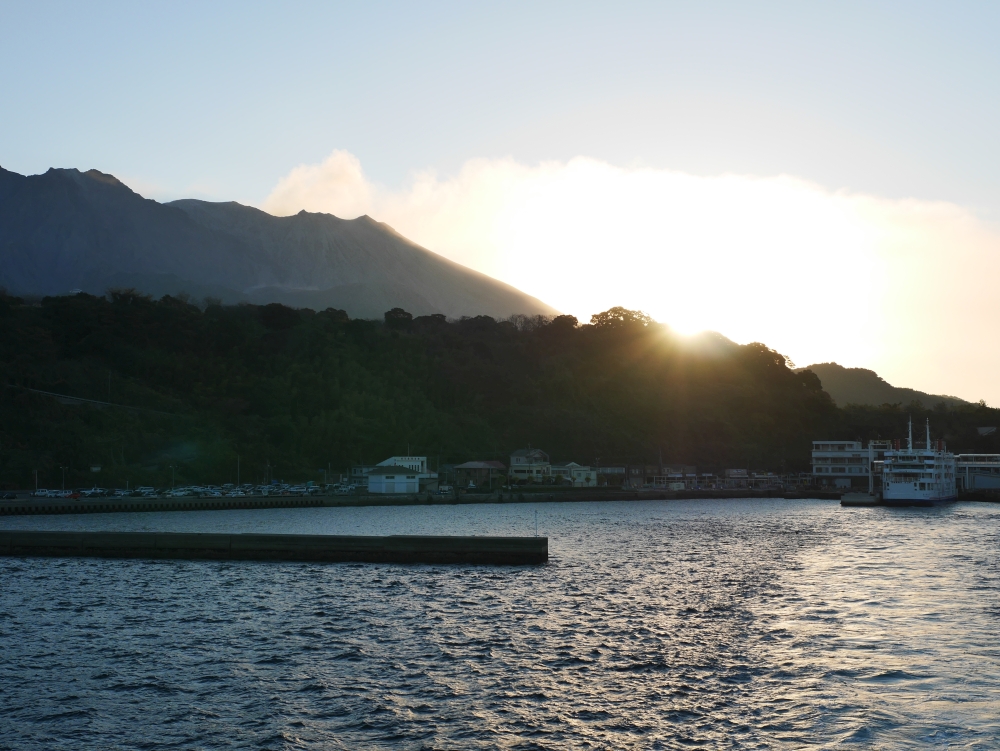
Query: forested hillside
{"type": "Point", "coordinates": [193, 388]}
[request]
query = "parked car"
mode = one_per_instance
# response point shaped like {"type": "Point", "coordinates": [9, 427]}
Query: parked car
{"type": "Point", "coordinates": [9, 496]}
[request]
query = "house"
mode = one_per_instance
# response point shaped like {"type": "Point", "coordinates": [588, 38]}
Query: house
{"type": "Point", "coordinates": [580, 476]}
{"type": "Point", "coordinates": [529, 465]}
{"type": "Point", "coordinates": [480, 474]}
{"type": "Point", "coordinates": [393, 479]}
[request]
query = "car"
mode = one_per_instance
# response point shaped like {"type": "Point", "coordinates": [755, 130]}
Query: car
{"type": "Point", "coordinates": [40, 493]}
{"type": "Point", "coordinates": [9, 496]}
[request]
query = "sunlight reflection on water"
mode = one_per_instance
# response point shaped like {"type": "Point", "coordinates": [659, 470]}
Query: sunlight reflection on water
{"type": "Point", "coordinates": [764, 623]}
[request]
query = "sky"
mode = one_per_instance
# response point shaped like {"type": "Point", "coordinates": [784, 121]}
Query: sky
{"type": "Point", "coordinates": [820, 177]}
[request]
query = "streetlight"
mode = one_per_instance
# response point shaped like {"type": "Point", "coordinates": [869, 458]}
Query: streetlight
{"type": "Point", "coordinates": [64, 477]}
{"type": "Point", "coordinates": [172, 476]}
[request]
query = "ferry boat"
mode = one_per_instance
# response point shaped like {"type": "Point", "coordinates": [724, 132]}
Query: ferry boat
{"type": "Point", "coordinates": [919, 477]}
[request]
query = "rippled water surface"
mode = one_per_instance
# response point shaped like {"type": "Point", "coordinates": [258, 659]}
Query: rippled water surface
{"type": "Point", "coordinates": [665, 624]}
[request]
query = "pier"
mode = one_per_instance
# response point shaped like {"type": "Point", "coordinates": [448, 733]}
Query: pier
{"type": "Point", "coordinates": [259, 547]}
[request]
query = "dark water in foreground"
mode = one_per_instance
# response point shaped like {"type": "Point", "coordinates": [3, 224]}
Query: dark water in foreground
{"type": "Point", "coordinates": [745, 624]}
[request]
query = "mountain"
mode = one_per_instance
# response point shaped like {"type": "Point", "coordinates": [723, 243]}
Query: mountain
{"type": "Point", "coordinates": [67, 229]}
{"type": "Point", "coordinates": [861, 386]}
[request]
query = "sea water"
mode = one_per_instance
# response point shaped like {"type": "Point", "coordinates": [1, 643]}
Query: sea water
{"type": "Point", "coordinates": [659, 624]}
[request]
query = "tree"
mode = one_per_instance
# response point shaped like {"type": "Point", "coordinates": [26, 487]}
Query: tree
{"type": "Point", "coordinates": [397, 318]}
{"type": "Point", "coordinates": [619, 317]}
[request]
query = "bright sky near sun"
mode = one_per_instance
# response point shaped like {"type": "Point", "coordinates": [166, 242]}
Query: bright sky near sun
{"type": "Point", "coordinates": [818, 177]}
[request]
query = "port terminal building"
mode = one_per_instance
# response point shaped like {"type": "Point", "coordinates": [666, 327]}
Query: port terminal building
{"type": "Point", "coordinates": [847, 464]}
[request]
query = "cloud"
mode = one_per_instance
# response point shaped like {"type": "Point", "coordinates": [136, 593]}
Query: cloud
{"type": "Point", "coordinates": [900, 286]}
{"type": "Point", "coordinates": [336, 186]}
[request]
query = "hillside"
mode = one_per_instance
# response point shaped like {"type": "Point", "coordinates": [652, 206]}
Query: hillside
{"type": "Point", "coordinates": [293, 391]}
{"type": "Point", "coordinates": [297, 390]}
{"type": "Point", "coordinates": [861, 386]}
{"type": "Point", "coordinates": [67, 230]}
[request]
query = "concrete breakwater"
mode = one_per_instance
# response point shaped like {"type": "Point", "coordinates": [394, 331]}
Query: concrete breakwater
{"type": "Point", "coordinates": [260, 547]}
{"type": "Point", "coordinates": [32, 506]}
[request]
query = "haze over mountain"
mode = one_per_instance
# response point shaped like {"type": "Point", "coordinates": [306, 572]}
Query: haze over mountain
{"type": "Point", "coordinates": [861, 386]}
{"type": "Point", "coordinates": [67, 229]}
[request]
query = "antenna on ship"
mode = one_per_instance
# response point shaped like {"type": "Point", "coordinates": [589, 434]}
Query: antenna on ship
{"type": "Point", "coordinates": [928, 434]}
{"type": "Point", "coordinates": [909, 439]}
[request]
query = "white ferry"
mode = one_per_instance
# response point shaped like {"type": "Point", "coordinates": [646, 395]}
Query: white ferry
{"type": "Point", "coordinates": [918, 477]}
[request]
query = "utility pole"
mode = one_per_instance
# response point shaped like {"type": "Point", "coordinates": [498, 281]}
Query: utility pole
{"type": "Point", "coordinates": [237, 470]}
{"type": "Point", "coordinates": [36, 480]}
{"type": "Point", "coordinates": [64, 477]}
{"type": "Point", "coordinates": [173, 477]}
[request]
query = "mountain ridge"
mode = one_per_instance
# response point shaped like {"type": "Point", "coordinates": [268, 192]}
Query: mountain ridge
{"type": "Point", "coordinates": [863, 386]}
{"type": "Point", "coordinates": [66, 229]}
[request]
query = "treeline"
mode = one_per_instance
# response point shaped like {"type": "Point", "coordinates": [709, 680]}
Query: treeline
{"type": "Point", "coordinates": [194, 392]}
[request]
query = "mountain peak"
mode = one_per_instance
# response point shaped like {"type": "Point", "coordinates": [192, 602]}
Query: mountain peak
{"type": "Point", "coordinates": [68, 229]}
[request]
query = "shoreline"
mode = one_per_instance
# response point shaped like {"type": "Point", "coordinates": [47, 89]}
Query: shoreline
{"type": "Point", "coordinates": [37, 506]}
{"type": "Point", "coordinates": [53, 506]}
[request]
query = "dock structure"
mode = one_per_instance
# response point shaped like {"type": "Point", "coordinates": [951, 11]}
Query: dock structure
{"type": "Point", "coordinates": [262, 547]}
{"type": "Point", "coordinates": [28, 506]}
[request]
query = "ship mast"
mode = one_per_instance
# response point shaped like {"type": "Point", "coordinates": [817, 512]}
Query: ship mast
{"type": "Point", "coordinates": [928, 434]}
{"type": "Point", "coordinates": [909, 439]}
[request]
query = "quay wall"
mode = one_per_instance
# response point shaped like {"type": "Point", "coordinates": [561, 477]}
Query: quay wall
{"type": "Point", "coordinates": [33, 506]}
{"type": "Point", "coordinates": [262, 547]}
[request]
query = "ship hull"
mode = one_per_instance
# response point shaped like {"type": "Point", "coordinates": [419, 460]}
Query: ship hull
{"type": "Point", "coordinates": [916, 501]}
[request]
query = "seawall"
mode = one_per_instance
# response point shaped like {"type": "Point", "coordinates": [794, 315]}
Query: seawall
{"type": "Point", "coordinates": [32, 506]}
{"type": "Point", "coordinates": [254, 547]}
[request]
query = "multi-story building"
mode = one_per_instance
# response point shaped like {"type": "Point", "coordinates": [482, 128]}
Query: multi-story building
{"type": "Point", "coordinates": [842, 464]}
{"type": "Point", "coordinates": [529, 465]}
{"type": "Point", "coordinates": [978, 471]}
{"type": "Point", "coordinates": [416, 463]}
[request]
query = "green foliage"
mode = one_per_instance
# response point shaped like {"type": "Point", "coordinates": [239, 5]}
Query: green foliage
{"type": "Point", "coordinates": [293, 391]}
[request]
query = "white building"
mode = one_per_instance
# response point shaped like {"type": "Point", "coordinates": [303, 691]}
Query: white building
{"type": "Point", "coordinates": [393, 479]}
{"type": "Point", "coordinates": [580, 476]}
{"type": "Point", "coordinates": [529, 465]}
{"type": "Point", "coordinates": [416, 463]}
{"type": "Point", "coordinates": [400, 474]}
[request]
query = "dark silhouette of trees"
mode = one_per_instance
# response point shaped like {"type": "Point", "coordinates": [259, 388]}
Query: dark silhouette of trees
{"type": "Point", "coordinates": [297, 390]}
